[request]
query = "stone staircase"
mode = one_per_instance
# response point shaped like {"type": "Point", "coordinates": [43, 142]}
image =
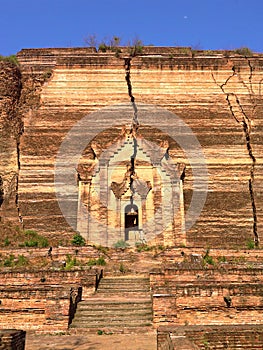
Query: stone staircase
{"type": "Point", "coordinates": [120, 305]}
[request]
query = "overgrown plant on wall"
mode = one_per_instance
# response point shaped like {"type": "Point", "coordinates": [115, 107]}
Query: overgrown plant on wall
{"type": "Point", "coordinates": [114, 44]}
{"type": "Point", "coordinates": [33, 239]}
{"type": "Point", "coordinates": [11, 58]}
{"type": "Point", "coordinates": [78, 240]}
{"type": "Point", "coordinates": [244, 51]}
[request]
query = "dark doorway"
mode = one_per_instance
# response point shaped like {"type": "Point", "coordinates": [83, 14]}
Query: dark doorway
{"type": "Point", "coordinates": [131, 219]}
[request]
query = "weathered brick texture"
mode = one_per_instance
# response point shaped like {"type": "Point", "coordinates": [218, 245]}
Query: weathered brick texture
{"type": "Point", "coordinates": [12, 339]}
{"type": "Point", "coordinates": [43, 301]}
{"type": "Point", "coordinates": [217, 94]}
{"type": "Point", "coordinates": [200, 296]}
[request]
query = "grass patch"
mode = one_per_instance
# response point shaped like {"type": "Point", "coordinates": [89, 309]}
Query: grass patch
{"type": "Point", "coordinates": [71, 262]}
{"type": "Point", "coordinates": [97, 262]}
{"type": "Point", "coordinates": [7, 242]}
{"type": "Point", "coordinates": [221, 259]}
{"type": "Point", "coordinates": [142, 247]}
{"type": "Point", "coordinates": [208, 259]}
{"type": "Point", "coordinates": [35, 240]}
{"type": "Point", "coordinates": [13, 261]}
{"type": "Point", "coordinates": [121, 244]}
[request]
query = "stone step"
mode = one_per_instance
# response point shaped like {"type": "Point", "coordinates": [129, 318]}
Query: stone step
{"type": "Point", "coordinates": [127, 295]}
{"type": "Point", "coordinates": [112, 323]}
{"type": "Point", "coordinates": [125, 285]}
{"type": "Point", "coordinates": [111, 330]}
{"type": "Point", "coordinates": [119, 303]}
{"type": "Point", "coordinates": [125, 278]}
{"type": "Point", "coordinates": [113, 308]}
{"type": "Point", "coordinates": [106, 305]}
{"type": "Point", "coordinates": [113, 312]}
{"type": "Point", "coordinates": [124, 289]}
{"type": "Point", "coordinates": [97, 299]}
{"type": "Point", "coordinates": [109, 318]}
{"type": "Point", "coordinates": [124, 282]}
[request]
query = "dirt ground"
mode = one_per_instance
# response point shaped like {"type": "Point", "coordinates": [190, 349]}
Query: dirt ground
{"type": "Point", "coordinates": [92, 342]}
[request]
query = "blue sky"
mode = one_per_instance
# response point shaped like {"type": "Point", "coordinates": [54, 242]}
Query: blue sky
{"type": "Point", "coordinates": [204, 24]}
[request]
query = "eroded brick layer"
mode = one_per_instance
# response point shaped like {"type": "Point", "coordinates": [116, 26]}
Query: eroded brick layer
{"type": "Point", "coordinates": [217, 95]}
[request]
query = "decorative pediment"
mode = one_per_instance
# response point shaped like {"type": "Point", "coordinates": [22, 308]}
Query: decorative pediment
{"type": "Point", "coordinates": [119, 189]}
{"type": "Point", "coordinates": [142, 187]}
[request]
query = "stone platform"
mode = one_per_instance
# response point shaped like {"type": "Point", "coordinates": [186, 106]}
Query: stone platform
{"type": "Point", "coordinates": [92, 342]}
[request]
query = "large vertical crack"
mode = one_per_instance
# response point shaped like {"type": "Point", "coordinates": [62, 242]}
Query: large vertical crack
{"type": "Point", "coordinates": [127, 65]}
{"type": "Point", "coordinates": [249, 86]}
{"type": "Point", "coordinates": [251, 182]}
{"type": "Point", "coordinates": [244, 121]}
{"type": "Point", "coordinates": [135, 123]}
{"type": "Point", "coordinates": [251, 68]}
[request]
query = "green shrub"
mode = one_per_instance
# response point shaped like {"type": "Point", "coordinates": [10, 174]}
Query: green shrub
{"type": "Point", "coordinates": [31, 233]}
{"type": "Point", "coordinates": [103, 47]}
{"type": "Point", "coordinates": [100, 262]}
{"type": "Point", "coordinates": [121, 244]}
{"type": "Point", "coordinates": [70, 262]}
{"type": "Point", "coordinates": [221, 259]}
{"type": "Point", "coordinates": [136, 47]}
{"type": "Point", "coordinates": [78, 240]}
{"type": "Point", "coordinates": [7, 242]}
{"type": "Point", "coordinates": [35, 240]}
{"type": "Point", "coordinates": [208, 52]}
{"type": "Point", "coordinates": [9, 262]}
{"type": "Point", "coordinates": [12, 261]}
{"type": "Point", "coordinates": [42, 242]}
{"type": "Point", "coordinates": [11, 58]}
{"type": "Point", "coordinates": [117, 52]}
{"type": "Point", "coordinates": [102, 249]}
{"type": "Point", "coordinates": [244, 51]}
{"type": "Point", "coordinates": [206, 344]}
{"type": "Point", "coordinates": [122, 268]}
{"type": "Point", "coordinates": [142, 247]}
{"type": "Point", "coordinates": [31, 243]}
{"type": "Point", "coordinates": [250, 244]}
{"type": "Point", "coordinates": [207, 259]}
{"type": "Point", "coordinates": [22, 260]}
{"type": "Point", "coordinates": [92, 262]}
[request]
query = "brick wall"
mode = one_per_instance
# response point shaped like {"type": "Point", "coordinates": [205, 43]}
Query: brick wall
{"type": "Point", "coordinates": [201, 297]}
{"type": "Point", "coordinates": [12, 339]}
{"type": "Point", "coordinates": [38, 308]}
{"type": "Point", "coordinates": [43, 301]}
{"type": "Point", "coordinates": [164, 341]}
{"type": "Point", "coordinates": [85, 278]}
{"type": "Point", "coordinates": [211, 337]}
{"type": "Point", "coordinates": [58, 253]}
{"type": "Point", "coordinates": [187, 85]}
